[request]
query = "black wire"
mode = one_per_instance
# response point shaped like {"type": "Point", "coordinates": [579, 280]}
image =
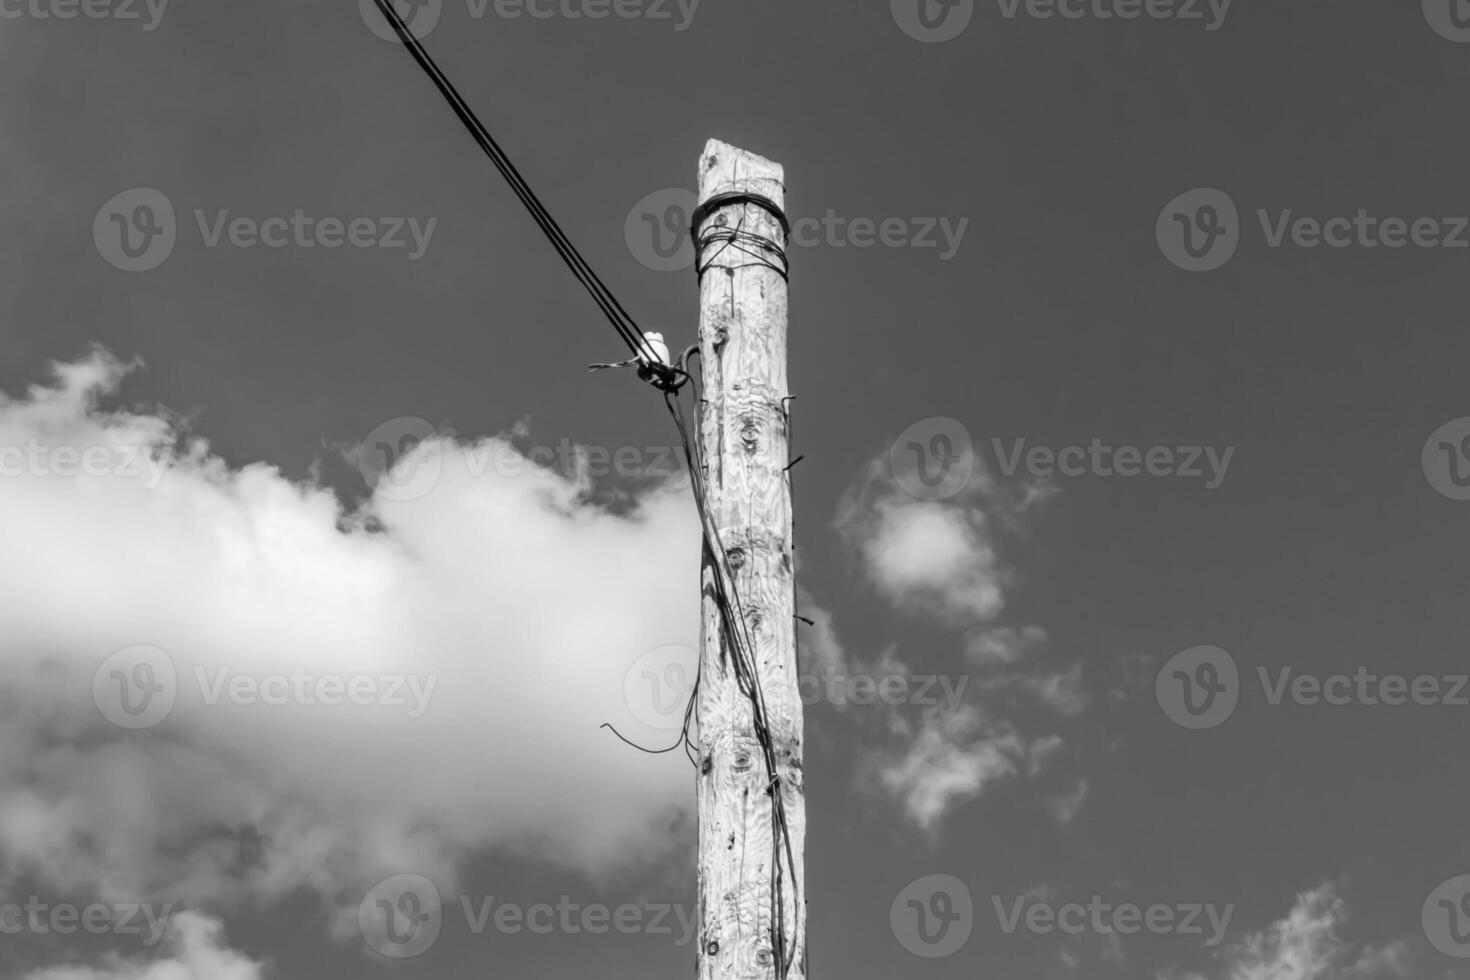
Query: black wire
{"type": "Point", "coordinates": [622, 322]}
{"type": "Point", "coordinates": [742, 654]}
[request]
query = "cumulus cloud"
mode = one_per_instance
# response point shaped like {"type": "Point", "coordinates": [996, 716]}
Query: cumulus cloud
{"type": "Point", "coordinates": [195, 953]}
{"type": "Point", "coordinates": [490, 593]}
{"type": "Point", "coordinates": [1307, 945]}
{"type": "Point", "coordinates": [930, 558]}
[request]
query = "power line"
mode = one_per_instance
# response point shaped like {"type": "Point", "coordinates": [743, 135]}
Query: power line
{"type": "Point", "coordinates": [621, 320]}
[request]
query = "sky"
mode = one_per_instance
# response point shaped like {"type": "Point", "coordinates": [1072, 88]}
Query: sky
{"type": "Point", "coordinates": [1130, 391]}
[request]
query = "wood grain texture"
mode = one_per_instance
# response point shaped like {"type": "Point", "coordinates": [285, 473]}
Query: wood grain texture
{"type": "Point", "coordinates": [744, 436]}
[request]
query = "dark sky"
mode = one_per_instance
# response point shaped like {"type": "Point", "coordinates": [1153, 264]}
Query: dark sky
{"type": "Point", "coordinates": [1051, 147]}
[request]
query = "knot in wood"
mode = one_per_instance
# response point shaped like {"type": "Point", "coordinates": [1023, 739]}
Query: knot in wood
{"type": "Point", "coordinates": [712, 947]}
{"type": "Point", "coordinates": [750, 435]}
{"type": "Point", "coordinates": [737, 557]}
{"type": "Point", "coordinates": [742, 761]}
{"type": "Point", "coordinates": [764, 957]}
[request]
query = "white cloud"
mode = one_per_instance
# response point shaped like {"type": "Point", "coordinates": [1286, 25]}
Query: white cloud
{"type": "Point", "coordinates": [1003, 646]}
{"type": "Point", "coordinates": [496, 585]}
{"type": "Point", "coordinates": [947, 760]}
{"type": "Point", "coordinates": [1306, 945]}
{"type": "Point", "coordinates": [937, 560]}
{"type": "Point", "coordinates": [195, 953]}
{"type": "Point", "coordinates": [926, 558]}
{"type": "Point", "coordinates": [1066, 806]}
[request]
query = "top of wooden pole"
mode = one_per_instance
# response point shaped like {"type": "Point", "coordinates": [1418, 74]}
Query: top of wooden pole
{"type": "Point", "coordinates": [724, 168]}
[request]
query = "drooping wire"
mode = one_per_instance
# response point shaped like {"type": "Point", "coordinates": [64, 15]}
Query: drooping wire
{"type": "Point", "coordinates": [622, 322]}
{"type": "Point", "coordinates": [726, 597]}
{"type": "Point", "coordinates": [741, 647]}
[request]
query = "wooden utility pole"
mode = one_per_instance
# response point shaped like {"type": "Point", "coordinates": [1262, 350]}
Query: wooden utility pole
{"type": "Point", "coordinates": [744, 436]}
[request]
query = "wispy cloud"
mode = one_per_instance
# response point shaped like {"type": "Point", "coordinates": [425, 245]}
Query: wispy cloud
{"type": "Point", "coordinates": [1307, 945]}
